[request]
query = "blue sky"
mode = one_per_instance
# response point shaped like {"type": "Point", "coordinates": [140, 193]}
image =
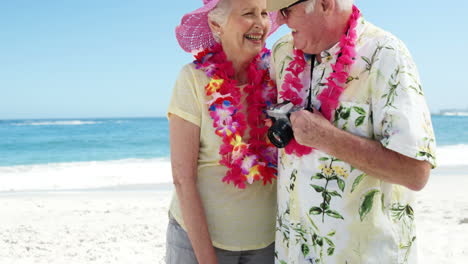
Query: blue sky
{"type": "Point", "coordinates": [120, 58]}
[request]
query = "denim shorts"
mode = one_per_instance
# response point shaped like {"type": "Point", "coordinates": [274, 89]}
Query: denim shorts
{"type": "Point", "coordinates": [179, 250]}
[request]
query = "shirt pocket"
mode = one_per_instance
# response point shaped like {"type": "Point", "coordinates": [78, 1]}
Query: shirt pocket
{"type": "Point", "coordinates": [354, 118]}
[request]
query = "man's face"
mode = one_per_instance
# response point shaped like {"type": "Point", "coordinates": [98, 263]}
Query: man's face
{"type": "Point", "coordinates": [307, 28]}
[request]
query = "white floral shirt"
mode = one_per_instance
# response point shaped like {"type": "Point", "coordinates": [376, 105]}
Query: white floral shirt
{"type": "Point", "coordinates": [330, 212]}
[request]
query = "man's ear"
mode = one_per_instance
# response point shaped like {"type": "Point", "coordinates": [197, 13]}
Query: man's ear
{"type": "Point", "coordinates": [327, 6]}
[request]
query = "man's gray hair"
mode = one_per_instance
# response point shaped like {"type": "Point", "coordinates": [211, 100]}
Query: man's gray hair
{"type": "Point", "coordinates": [342, 5]}
{"type": "Point", "coordinates": [220, 14]}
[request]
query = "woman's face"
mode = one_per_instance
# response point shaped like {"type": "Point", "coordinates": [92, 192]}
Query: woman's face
{"type": "Point", "coordinates": [244, 34]}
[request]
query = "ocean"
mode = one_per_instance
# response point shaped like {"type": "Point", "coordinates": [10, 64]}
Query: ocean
{"type": "Point", "coordinates": [67, 154]}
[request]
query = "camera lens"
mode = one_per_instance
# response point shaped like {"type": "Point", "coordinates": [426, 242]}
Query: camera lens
{"type": "Point", "coordinates": [280, 133]}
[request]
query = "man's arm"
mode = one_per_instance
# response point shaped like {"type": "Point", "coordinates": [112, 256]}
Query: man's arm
{"type": "Point", "coordinates": [312, 129]}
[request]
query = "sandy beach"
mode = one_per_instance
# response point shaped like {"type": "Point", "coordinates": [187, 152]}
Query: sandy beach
{"type": "Point", "coordinates": [127, 225]}
{"type": "Point", "coordinates": [101, 226]}
{"type": "Point", "coordinates": [442, 218]}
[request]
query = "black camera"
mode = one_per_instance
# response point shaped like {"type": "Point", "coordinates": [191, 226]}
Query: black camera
{"type": "Point", "coordinates": [280, 133]}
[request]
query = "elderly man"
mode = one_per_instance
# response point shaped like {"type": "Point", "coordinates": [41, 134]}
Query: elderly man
{"type": "Point", "coordinates": [347, 179]}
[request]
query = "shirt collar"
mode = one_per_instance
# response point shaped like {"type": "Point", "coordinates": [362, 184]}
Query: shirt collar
{"type": "Point", "coordinates": [331, 53]}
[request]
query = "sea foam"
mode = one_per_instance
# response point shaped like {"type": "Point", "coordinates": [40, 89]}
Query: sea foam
{"type": "Point", "coordinates": [85, 175]}
{"type": "Point", "coordinates": [102, 174]}
{"type": "Point", "coordinates": [452, 155]}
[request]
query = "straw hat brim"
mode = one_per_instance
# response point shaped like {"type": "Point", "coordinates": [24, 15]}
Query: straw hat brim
{"type": "Point", "coordinates": [275, 5]}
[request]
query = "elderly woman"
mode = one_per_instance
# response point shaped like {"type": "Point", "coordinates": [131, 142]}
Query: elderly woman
{"type": "Point", "coordinates": [223, 208]}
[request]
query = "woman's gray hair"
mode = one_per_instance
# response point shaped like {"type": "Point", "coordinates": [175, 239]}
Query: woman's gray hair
{"type": "Point", "coordinates": [220, 14]}
{"type": "Point", "coordinates": [342, 5]}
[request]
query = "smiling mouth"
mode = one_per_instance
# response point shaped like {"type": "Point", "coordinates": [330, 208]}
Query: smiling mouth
{"type": "Point", "coordinates": [255, 37]}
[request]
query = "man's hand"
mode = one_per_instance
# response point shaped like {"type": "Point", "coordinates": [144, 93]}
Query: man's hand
{"type": "Point", "coordinates": [311, 128]}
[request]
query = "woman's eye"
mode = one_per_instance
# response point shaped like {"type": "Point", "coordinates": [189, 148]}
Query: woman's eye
{"type": "Point", "coordinates": [248, 14]}
{"type": "Point", "coordinates": [264, 13]}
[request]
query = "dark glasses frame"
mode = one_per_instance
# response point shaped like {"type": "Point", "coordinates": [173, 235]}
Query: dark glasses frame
{"type": "Point", "coordinates": [284, 11]}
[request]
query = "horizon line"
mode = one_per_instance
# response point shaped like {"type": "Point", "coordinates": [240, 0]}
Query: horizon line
{"type": "Point", "coordinates": [75, 117]}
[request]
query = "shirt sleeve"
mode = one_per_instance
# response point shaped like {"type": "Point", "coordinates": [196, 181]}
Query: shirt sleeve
{"type": "Point", "coordinates": [401, 118]}
{"type": "Point", "coordinates": [185, 101]}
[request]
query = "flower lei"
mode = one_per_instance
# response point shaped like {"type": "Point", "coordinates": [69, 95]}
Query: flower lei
{"type": "Point", "coordinates": [292, 88]}
{"type": "Point", "coordinates": [246, 162]}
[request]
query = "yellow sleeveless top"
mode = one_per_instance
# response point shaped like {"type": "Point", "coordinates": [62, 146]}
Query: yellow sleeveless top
{"type": "Point", "coordinates": [238, 219]}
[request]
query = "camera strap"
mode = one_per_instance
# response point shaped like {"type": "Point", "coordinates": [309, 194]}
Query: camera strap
{"type": "Point", "coordinates": [309, 98]}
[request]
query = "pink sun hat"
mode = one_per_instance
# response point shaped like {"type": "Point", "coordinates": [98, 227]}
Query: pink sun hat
{"type": "Point", "coordinates": [194, 33]}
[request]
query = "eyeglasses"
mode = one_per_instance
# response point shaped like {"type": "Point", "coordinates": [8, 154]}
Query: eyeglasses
{"type": "Point", "coordinates": [284, 11]}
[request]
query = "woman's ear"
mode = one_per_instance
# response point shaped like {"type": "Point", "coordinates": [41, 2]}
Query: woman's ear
{"type": "Point", "coordinates": [215, 27]}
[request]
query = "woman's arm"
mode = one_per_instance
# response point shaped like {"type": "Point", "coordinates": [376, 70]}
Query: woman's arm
{"type": "Point", "coordinates": [185, 142]}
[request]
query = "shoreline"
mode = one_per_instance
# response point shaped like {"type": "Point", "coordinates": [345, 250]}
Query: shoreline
{"type": "Point", "coordinates": [444, 171]}
{"type": "Point", "coordinates": [459, 170]}
{"type": "Point", "coordinates": [157, 187]}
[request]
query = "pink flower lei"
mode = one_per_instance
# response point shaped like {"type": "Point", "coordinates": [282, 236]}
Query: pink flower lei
{"type": "Point", "coordinates": [246, 162]}
{"type": "Point", "coordinates": [293, 90]}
